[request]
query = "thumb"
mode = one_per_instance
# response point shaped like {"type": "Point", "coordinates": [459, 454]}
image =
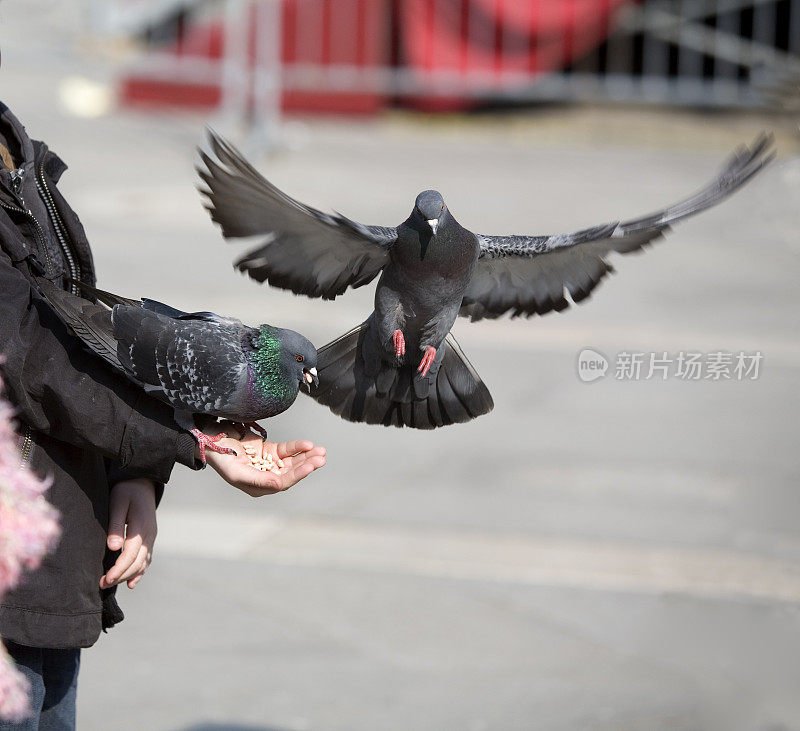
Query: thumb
{"type": "Point", "coordinates": [117, 513]}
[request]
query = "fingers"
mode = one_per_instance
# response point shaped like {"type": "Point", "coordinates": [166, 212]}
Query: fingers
{"type": "Point", "coordinates": [302, 467]}
{"type": "Point", "coordinates": [131, 564]}
{"type": "Point", "coordinates": [117, 513]}
{"type": "Point", "coordinates": [287, 449]}
{"type": "Point", "coordinates": [125, 560]}
{"type": "Point", "coordinates": [298, 459]}
{"type": "Point", "coordinates": [138, 567]}
{"type": "Point", "coordinates": [316, 452]}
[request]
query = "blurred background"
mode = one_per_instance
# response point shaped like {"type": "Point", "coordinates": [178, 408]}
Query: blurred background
{"type": "Point", "coordinates": [622, 554]}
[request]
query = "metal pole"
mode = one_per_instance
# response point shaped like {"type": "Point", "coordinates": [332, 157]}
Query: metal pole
{"type": "Point", "coordinates": [235, 68]}
{"type": "Point", "coordinates": [266, 128]}
{"type": "Point", "coordinates": [655, 63]}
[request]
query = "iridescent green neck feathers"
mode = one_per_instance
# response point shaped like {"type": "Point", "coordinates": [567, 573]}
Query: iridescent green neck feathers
{"type": "Point", "coordinates": [271, 377]}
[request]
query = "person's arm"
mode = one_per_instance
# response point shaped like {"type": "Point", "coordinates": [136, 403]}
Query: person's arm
{"type": "Point", "coordinates": [132, 525]}
{"type": "Point", "coordinates": [60, 389]}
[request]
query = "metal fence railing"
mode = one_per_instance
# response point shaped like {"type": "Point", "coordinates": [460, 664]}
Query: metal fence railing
{"type": "Point", "coordinates": [256, 53]}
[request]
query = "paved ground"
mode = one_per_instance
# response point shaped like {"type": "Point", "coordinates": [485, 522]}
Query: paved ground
{"type": "Point", "coordinates": [614, 555]}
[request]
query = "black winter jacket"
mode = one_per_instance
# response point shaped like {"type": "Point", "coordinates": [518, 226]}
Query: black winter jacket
{"type": "Point", "coordinates": [81, 424]}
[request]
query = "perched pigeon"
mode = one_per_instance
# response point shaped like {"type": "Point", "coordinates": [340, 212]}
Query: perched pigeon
{"type": "Point", "coordinates": [197, 362]}
{"type": "Point", "coordinates": [401, 366]}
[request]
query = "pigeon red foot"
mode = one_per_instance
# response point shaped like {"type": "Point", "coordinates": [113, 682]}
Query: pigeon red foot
{"type": "Point", "coordinates": [427, 361]}
{"type": "Point", "coordinates": [399, 343]}
{"type": "Point", "coordinates": [205, 441]}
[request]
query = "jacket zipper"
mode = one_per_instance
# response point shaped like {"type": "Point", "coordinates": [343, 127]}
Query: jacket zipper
{"type": "Point", "coordinates": [16, 184]}
{"type": "Point", "coordinates": [74, 268]}
{"type": "Point", "coordinates": [58, 225]}
{"type": "Point", "coordinates": [27, 446]}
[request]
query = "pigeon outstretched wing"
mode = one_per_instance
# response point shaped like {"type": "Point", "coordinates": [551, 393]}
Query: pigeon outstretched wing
{"type": "Point", "coordinates": [305, 250]}
{"type": "Point", "coordinates": [527, 275]}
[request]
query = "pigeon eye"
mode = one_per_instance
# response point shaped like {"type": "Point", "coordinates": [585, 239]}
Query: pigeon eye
{"type": "Point", "coordinates": [299, 358]}
{"type": "Point", "coordinates": [442, 206]}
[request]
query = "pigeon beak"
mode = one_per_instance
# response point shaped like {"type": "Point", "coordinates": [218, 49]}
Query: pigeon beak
{"type": "Point", "coordinates": [434, 224]}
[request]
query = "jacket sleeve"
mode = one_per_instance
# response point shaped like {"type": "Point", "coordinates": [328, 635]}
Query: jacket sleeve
{"type": "Point", "coordinates": [61, 389]}
{"type": "Point", "coordinates": [116, 473]}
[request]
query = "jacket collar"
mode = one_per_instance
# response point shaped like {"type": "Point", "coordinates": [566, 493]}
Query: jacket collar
{"type": "Point", "coordinates": [33, 154]}
{"type": "Point", "coordinates": [13, 127]}
{"type": "Point", "coordinates": [54, 166]}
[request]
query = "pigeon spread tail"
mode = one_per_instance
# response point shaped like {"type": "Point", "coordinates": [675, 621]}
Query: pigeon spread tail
{"type": "Point", "coordinates": [456, 393]}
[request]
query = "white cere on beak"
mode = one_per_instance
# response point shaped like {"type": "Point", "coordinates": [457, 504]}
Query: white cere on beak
{"type": "Point", "coordinates": [312, 371]}
{"type": "Point", "coordinates": [434, 224]}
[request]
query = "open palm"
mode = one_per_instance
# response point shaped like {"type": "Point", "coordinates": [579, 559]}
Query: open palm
{"type": "Point", "coordinates": [296, 460]}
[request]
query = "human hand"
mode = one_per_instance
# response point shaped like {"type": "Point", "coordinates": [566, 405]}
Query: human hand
{"type": "Point", "coordinates": [133, 504]}
{"type": "Point", "coordinates": [299, 459]}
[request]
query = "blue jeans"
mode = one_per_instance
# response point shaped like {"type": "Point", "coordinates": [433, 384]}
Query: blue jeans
{"type": "Point", "coordinates": [53, 675]}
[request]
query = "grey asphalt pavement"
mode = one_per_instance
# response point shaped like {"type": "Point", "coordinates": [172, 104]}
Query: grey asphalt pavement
{"type": "Point", "coordinates": [622, 554]}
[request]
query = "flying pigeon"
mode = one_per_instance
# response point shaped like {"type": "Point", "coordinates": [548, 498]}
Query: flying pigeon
{"type": "Point", "coordinates": [197, 362]}
{"type": "Point", "coordinates": [402, 366]}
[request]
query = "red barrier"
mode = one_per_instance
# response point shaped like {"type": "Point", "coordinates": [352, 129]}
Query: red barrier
{"type": "Point", "coordinates": [488, 36]}
{"type": "Point", "coordinates": [497, 36]}
{"type": "Point", "coordinates": [331, 33]}
{"type": "Point", "coordinates": [314, 32]}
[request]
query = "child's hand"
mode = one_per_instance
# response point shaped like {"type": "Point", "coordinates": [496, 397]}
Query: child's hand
{"type": "Point", "coordinates": [299, 458]}
{"type": "Point", "coordinates": [133, 504]}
